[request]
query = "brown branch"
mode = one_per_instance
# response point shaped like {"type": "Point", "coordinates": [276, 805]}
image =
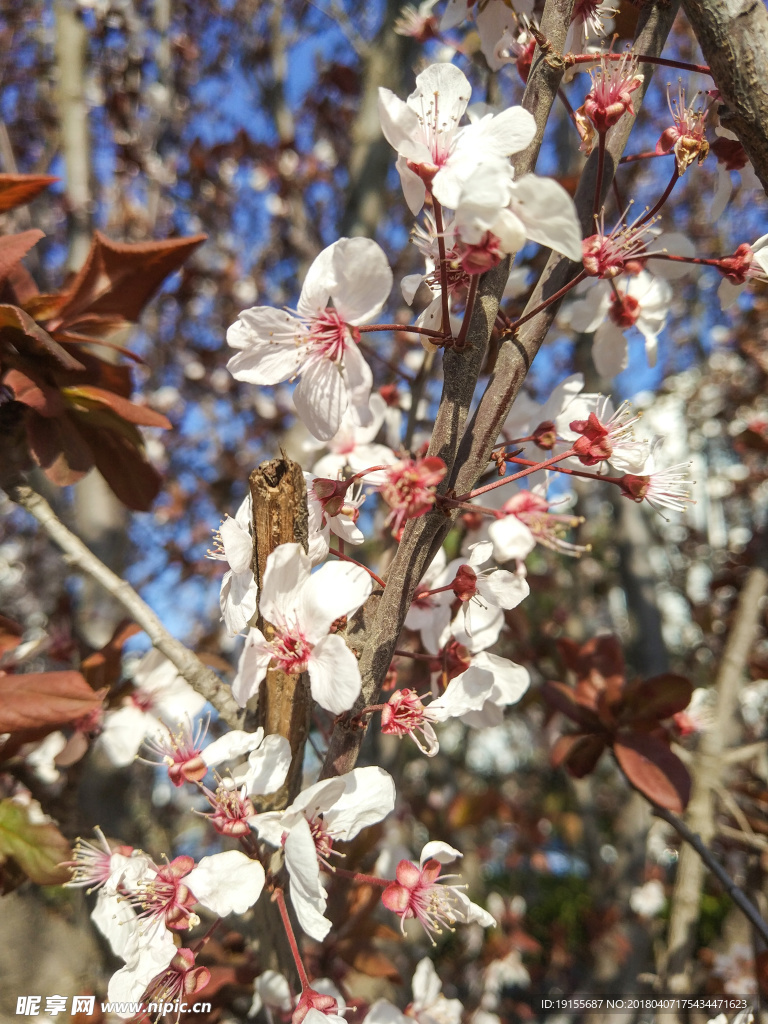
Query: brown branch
{"type": "Point", "coordinates": [377, 628]}
{"type": "Point", "coordinates": [733, 35]}
{"type": "Point", "coordinates": [279, 499]}
{"type": "Point", "coordinates": [706, 770]}
{"type": "Point", "coordinates": [516, 354]}
{"type": "Point", "coordinates": [199, 676]}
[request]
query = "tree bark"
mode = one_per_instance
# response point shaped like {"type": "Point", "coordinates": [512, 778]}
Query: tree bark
{"type": "Point", "coordinates": [733, 35]}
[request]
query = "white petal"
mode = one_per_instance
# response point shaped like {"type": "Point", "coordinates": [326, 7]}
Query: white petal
{"type": "Point", "coordinates": [116, 920]}
{"type": "Point", "coordinates": [512, 539]}
{"type": "Point", "coordinates": [237, 544]}
{"type": "Point", "coordinates": [503, 588]}
{"type": "Point", "coordinates": [363, 279]}
{"type": "Point", "coordinates": [275, 348]}
{"type": "Point", "coordinates": [231, 745]}
{"type": "Point", "coordinates": [251, 668]}
{"type": "Point", "coordinates": [321, 397]}
{"type": "Point", "coordinates": [122, 735]}
{"type": "Point", "coordinates": [486, 626]}
{"type": "Point", "coordinates": [414, 190]}
{"type": "Point", "coordinates": [368, 797]}
{"type": "Point", "coordinates": [238, 600]}
{"type": "Point", "coordinates": [307, 894]}
{"type": "Point", "coordinates": [426, 984]}
{"type": "Point", "coordinates": [480, 553]}
{"type": "Point", "coordinates": [382, 1011]}
{"type": "Point", "coordinates": [287, 573]}
{"type": "Point", "coordinates": [226, 883]}
{"type": "Point", "coordinates": [335, 589]}
{"type": "Point", "coordinates": [409, 285]}
{"type": "Point", "coordinates": [130, 982]}
{"type": "Point", "coordinates": [549, 215]}
{"type": "Point", "coordinates": [471, 912]}
{"type": "Point", "coordinates": [318, 283]}
{"type": "Point", "coordinates": [334, 675]}
{"type": "Point", "coordinates": [267, 767]}
{"type": "Point", "coordinates": [399, 123]}
{"type": "Point", "coordinates": [439, 851]}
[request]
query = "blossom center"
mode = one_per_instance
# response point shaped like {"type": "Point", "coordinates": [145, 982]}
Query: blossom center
{"type": "Point", "coordinates": [329, 336]}
{"type": "Point", "coordinates": [291, 650]}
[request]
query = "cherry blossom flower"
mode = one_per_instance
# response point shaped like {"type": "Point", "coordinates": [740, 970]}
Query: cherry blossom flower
{"type": "Point", "coordinates": [610, 97]}
{"type": "Point", "coordinates": [527, 416]}
{"type": "Point", "coordinates": [319, 342]}
{"type": "Point", "coordinates": [333, 507]}
{"type": "Point", "coordinates": [301, 607]}
{"type": "Point", "coordinates": [590, 20]}
{"type": "Point", "coordinates": [429, 1005]}
{"type": "Point", "coordinates": [749, 262]}
{"type": "Point", "coordinates": [496, 25]}
{"type": "Point", "coordinates": [334, 810]}
{"type": "Point", "coordinates": [239, 591]}
{"type": "Point", "coordinates": [608, 435]}
{"type": "Point", "coordinates": [661, 488]}
{"type": "Point", "coordinates": [353, 447]}
{"type": "Point", "coordinates": [264, 772]}
{"type": "Point", "coordinates": [160, 695]}
{"type": "Point", "coordinates": [513, 211]}
{"type": "Point", "coordinates": [421, 892]}
{"type": "Point", "coordinates": [433, 150]}
{"type": "Point", "coordinates": [641, 301]}
{"type": "Point", "coordinates": [417, 22]}
{"type": "Point", "coordinates": [142, 904]}
{"type": "Point", "coordinates": [476, 696]}
{"type": "Point", "coordinates": [430, 614]}
{"type": "Point", "coordinates": [179, 982]}
{"type": "Point", "coordinates": [529, 520]}
{"type": "Point", "coordinates": [686, 137]}
{"type": "Point", "coordinates": [409, 489]}
{"type": "Point", "coordinates": [485, 594]}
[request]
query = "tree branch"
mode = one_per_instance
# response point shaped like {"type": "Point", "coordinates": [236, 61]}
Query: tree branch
{"type": "Point", "coordinates": [733, 35]}
{"type": "Point", "coordinates": [706, 770]}
{"type": "Point", "coordinates": [201, 678]}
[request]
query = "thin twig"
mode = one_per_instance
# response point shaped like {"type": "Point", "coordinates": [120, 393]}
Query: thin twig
{"type": "Point", "coordinates": [199, 676]}
{"type": "Point", "coordinates": [736, 894]}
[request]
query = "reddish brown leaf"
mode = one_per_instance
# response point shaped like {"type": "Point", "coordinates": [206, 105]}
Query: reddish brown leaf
{"type": "Point", "coordinates": [122, 464]}
{"type": "Point", "coordinates": [86, 398]}
{"type": "Point", "coordinates": [601, 654]}
{"type": "Point", "coordinates": [578, 753]}
{"type": "Point", "coordinates": [14, 247]}
{"type": "Point", "coordinates": [118, 278]}
{"type": "Point", "coordinates": [17, 189]}
{"type": "Point", "coordinates": [656, 699]}
{"type": "Point", "coordinates": [37, 395]}
{"type": "Point", "coordinates": [563, 699]}
{"type": "Point", "coordinates": [41, 699]}
{"type": "Point", "coordinates": [652, 768]}
{"type": "Point", "coordinates": [59, 448]}
{"type": "Point", "coordinates": [19, 330]}
{"type": "Point", "coordinates": [103, 668]}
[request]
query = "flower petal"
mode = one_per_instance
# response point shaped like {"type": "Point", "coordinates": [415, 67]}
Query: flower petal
{"type": "Point", "coordinates": [368, 797]}
{"type": "Point", "coordinates": [307, 894]}
{"type": "Point", "coordinates": [363, 279]}
{"type": "Point", "coordinates": [287, 573]}
{"type": "Point", "coordinates": [226, 883]}
{"type": "Point", "coordinates": [334, 675]}
{"type": "Point", "coordinates": [335, 589]}
{"type": "Point", "coordinates": [321, 397]}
